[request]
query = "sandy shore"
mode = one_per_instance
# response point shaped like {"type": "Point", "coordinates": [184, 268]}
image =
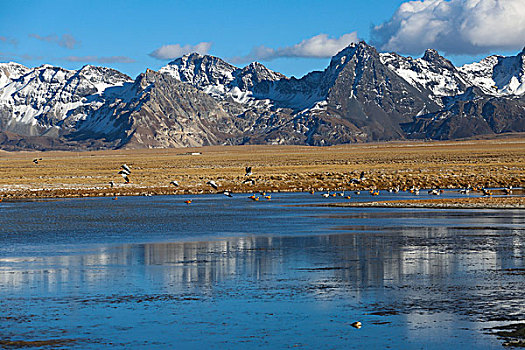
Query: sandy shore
{"type": "Point", "coordinates": [448, 165]}
{"type": "Point", "coordinates": [442, 203]}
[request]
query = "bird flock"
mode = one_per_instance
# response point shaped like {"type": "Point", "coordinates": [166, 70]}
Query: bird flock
{"type": "Point", "coordinates": [125, 172]}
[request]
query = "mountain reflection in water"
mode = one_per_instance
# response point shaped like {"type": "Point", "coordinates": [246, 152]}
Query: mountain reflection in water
{"type": "Point", "coordinates": [414, 278]}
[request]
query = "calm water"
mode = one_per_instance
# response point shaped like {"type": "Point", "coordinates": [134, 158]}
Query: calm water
{"type": "Point", "coordinates": [153, 272]}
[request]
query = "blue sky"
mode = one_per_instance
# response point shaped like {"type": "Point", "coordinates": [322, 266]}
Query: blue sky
{"type": "Point", "coordinates": [126, 34]}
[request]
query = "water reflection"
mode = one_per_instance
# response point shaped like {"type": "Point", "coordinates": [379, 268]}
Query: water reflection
{"type": "Point", "coordinates": [410, 276]}
{"type": "Point", "coordinates": [393, 256]}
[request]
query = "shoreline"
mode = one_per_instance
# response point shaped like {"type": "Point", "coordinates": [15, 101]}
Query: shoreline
{"type": "Point", "coordinates": [499, 201]}
{"type": "Point", "coordinates": [440, 203]}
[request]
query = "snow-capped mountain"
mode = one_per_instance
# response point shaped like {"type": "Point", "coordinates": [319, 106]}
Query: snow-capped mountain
{"type": "Point", "coordinates": [362, 95]}
{"type": "Point", "coordinates": [498, 75]}
{"type": "Point", "coordinates": [46, 99]}
{"type": "Point", "coordinates": [218, 78]}
{"type": "Point", "coordinates": [432, 72]}
{"type": "Point", "coordinates": [11, 71]}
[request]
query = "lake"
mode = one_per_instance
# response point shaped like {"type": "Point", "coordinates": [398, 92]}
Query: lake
{"type": "Point", "coordinates": [231, 273]}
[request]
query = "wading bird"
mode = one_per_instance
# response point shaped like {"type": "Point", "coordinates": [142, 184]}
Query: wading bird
{"type": "Point", "coordinates": [248, 171]}
{"type": "Point", "coordinates": [486, 192]}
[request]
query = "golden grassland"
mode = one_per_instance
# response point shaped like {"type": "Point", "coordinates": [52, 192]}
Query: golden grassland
{"type": "Point", "coordinates": [452, 164]}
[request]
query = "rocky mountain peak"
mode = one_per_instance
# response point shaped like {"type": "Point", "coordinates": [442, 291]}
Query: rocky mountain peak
{"type": "Point", "coordinates": [498, 75]}
{"type": "Point", "coordinates": [359, 53]}
{"type": "Point", "coordinates": [102, 77]}
{"type": "Point", "coordinates": [259, 72]}
{"type": "Point", "coordinates": [361, 49]}
{"type": "Point", "coordinates": [433, 57]}
{"type": "Point", "coordinates": [200, 70]}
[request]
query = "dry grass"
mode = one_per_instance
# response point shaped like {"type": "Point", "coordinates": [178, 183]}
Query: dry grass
{"type": "Point", "coordinates": [489, 163]}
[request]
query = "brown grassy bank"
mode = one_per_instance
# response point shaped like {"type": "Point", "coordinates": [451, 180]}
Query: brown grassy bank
{"type": "Point", "coordinates": [443, 203]}
{"type": "Point", "coordinates": [480, 163]}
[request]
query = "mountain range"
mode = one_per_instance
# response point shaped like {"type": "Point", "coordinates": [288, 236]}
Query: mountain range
{"type": "Point", "coordinates": [363, 95]}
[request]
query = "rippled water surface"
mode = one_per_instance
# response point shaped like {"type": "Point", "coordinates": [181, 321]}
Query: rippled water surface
{"type": "Point", "coordinates": [154, 272]}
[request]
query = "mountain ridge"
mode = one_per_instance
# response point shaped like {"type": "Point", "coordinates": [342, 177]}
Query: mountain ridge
{"type": "Point", "coordinates": [362, 95]}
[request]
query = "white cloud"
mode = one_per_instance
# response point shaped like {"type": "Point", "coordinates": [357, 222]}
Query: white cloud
{"type": "Point", "coordinates": [454, 27]}
{"type": "Point", "coordinates": [169, 52]}
{"type": "Point", "coordinates": [319, 46]}
{"type": "Point", "coordinates": [66, 40]}
{"type": "Point", "coordinates": [8, 40]}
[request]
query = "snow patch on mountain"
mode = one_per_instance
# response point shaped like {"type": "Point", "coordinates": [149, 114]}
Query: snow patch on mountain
{"type": "Point", "coordinates": [245, 85]}
{"type": "Point", "coordinates": [432, 72]}
{"type": "Point", "coordinates": [11, 71]}
{"type": "Point", "coordinates": [498, 75]}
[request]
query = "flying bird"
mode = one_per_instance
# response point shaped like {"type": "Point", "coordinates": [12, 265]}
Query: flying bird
{"type": "Point", "coordinates": [124, 176]}
{"type": "Point", "coordinates": [248, 171]}
{"type": "Point", "coordinates": [212, 184]}
{"type": "Point", "coordinates": [36, 160]}
{"type": "Point", "coordinates": [125, 172]}
{"type": "Point", "coordinates": [174, 183]}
